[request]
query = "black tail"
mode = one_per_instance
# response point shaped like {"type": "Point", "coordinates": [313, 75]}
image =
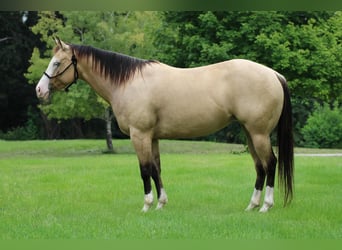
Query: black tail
{"type": "Point", "coordinates": [285, 145]}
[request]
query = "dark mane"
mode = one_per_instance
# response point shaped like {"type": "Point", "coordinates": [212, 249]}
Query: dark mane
{"type": "Point", "coordinates": [118, 67]}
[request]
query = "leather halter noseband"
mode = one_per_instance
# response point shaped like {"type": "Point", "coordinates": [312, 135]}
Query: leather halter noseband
{"type": "Point", "coordinates": [73, 62]}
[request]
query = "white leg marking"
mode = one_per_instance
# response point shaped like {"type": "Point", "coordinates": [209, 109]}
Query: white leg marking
{"type": "Point", "coordinates": [255, 200]}
{"type": "Point", "coordinates": [148, 201]}
{"type": "Point", "coordinates": [268, 201]}
{"type": "Point", "coordinates": [162, 199]}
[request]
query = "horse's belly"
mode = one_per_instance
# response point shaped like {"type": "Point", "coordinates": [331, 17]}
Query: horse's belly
{"type": "Point", "coordinates": [190, 126]}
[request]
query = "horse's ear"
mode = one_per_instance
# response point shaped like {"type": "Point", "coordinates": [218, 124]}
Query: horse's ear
{"type": "Point", "coordinates": [60, 43]}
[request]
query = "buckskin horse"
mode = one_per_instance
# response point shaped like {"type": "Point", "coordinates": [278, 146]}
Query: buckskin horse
{"type": "Point", "coordinates": [153, 101]}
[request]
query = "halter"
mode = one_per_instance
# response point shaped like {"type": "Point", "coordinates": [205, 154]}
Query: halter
{"type": "Point", "coordinates": [73, 62]}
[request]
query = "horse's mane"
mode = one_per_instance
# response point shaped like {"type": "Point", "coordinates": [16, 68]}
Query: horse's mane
{"type": "Point", "coordinates": [118, 67]}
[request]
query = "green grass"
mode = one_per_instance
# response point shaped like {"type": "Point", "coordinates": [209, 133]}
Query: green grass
{"type": "Point", "coordinates": [70, 189]}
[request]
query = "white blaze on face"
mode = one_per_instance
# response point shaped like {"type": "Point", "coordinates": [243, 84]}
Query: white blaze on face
{"type": "Point", "coordinates": [42, 88]}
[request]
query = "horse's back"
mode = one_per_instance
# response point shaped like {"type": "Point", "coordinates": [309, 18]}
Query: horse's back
{"type": "Point", "coordinates": [238, 87]}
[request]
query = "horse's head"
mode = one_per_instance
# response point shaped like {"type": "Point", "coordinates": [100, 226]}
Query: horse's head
{"type": "Point", "coordinates": [61, 72]}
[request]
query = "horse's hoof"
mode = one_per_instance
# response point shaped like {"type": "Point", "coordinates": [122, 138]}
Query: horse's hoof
{"type": "Point", "coordinates": [251, 207]}
{"type": "Point", "coordinates": [162, 200]}
{"type": "Point", "coordinates": [160, 205]}
{"type": "Point", "coordinates": [148, 201]}
{"type": "Point", "coordinates": [265, 208]}
{"type": "Point", "coordinates": [145, 208]}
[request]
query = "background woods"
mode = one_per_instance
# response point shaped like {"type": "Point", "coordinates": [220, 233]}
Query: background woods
{"type": "Point", "coordinates": [303, 46]}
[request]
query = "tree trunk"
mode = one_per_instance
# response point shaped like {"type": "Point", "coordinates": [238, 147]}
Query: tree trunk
{"type": "Point", "coordinates": [51, 128]}
{"type": "Point", "coordinates": [108, 119]}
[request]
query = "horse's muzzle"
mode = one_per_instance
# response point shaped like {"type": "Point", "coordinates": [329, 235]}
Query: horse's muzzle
{"type": "Point", "coordinates": [41, 95]}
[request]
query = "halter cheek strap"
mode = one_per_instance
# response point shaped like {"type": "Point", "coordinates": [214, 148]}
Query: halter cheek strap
{"type": "Point", "coordinates": [73, 62]}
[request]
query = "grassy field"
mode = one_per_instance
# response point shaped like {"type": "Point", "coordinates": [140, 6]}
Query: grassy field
{"type": "Point", "coordinates": [71, 190]}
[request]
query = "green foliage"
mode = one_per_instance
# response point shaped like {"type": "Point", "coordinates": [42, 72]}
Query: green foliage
{"type": "Point", "coordinates": [323, 128]}
{"type": "Point", "coordinates": [27, 132]}
{"type": "Point", "coordinates": [77, 103]}
{"type": "Point", "coordinates": [309, 55]}
{"type": "Point", "coordinates": [115, 31]}
{"type": "Point", "coordinates": [16, 43]}
{"type": "Point", "coordinates": [304, 46]}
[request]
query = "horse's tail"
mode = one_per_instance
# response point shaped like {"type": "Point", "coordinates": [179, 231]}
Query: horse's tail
{"type": "Point", "coordinates": [285, 145]}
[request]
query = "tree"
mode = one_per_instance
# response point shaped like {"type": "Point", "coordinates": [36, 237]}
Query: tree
{"type": "Point", "coordinates": [323, 128]}
{"type": "Point", "coordinates": [16, 42]}
{"type": "Point", "coordinates": [310, 56]}
{"type": "Point", "coordinates": [119, 31]}
{"type": "Point", "coordinates": [304, 46]}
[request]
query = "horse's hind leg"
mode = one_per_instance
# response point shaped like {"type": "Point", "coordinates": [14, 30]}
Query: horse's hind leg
{"type": "Point", "coordinates": [260, 176]}
{"type": "Point", "coordinates": [156, 175]}
{"type": "Point", "coordinates": [270, 171]}
{"type": "Point", "coordinates": [265, 163]}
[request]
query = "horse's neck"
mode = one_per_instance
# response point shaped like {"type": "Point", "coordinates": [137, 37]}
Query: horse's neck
{"type": "Point", "coordinates": [100, 84]}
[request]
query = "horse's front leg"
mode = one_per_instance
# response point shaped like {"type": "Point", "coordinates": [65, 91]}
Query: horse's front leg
{"type": "Point", "coordinates": [146, 172]}
{"type": "Point", "coordinates": [142, 143]}
{"type": "Point", "coordinates": [156, 175]}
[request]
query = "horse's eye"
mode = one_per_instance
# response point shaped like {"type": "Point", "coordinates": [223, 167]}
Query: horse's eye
{"type": "Point", "coordinates": [56, 64]}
